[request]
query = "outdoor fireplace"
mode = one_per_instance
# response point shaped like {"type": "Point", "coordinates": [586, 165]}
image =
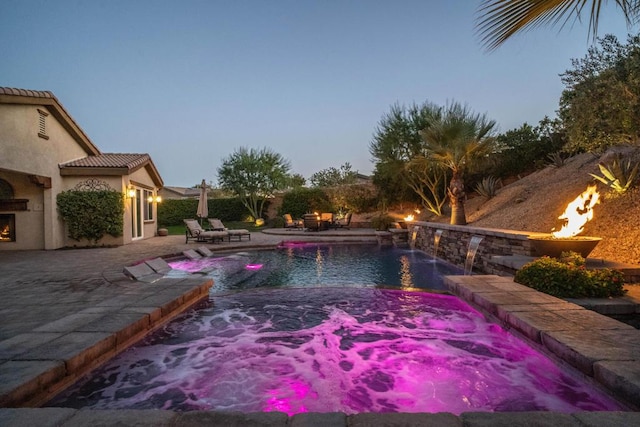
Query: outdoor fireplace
{"type": "Point", "coordinates": [7, 228]}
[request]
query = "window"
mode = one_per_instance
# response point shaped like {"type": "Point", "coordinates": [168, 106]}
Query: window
{"type": "Point", "coordinates": [148, 205]}
{"type": "Point", "coordinates": [42, 124]}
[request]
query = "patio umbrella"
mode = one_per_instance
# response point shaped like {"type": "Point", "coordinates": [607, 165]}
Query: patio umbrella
{"type": "Point", "coordinates": [203, 208]}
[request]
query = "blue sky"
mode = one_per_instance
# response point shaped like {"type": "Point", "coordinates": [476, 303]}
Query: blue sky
{"type": "Point", "coordinates": [191, 81]}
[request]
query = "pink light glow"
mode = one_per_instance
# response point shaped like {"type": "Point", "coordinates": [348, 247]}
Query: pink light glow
{"type": "Point", "coordinates": [253, 266]}
{"type": "Point", "coordinates": [337, 350]}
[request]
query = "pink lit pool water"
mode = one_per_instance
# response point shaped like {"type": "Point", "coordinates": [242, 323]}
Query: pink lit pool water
{"type": "Point", "coordinates": [328, 349]}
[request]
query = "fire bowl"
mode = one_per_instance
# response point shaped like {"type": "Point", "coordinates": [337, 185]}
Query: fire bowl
{"type": "Point", "coordinates": [553, 247]}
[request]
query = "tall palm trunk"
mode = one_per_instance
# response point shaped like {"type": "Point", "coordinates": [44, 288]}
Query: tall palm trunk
{"type": "Point", "coordinates": [456, 196]}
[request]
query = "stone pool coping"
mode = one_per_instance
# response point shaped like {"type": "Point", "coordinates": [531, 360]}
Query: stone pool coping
{"type": "Point", "coordinates": [41, 363]}
{"type": "Point", "coordinates": [604, 349]}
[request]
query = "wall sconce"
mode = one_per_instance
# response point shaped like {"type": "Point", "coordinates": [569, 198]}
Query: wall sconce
{"type": "Point", "coordinates": [152, 199]}
{"type": "Point", "coordinates": [131, 192]}
{"type": "Point", "coordinates": [158, 199]}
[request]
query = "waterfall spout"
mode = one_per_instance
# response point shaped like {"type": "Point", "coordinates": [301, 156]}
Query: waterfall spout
{"type": "Point", "coordinates": [474, 243]}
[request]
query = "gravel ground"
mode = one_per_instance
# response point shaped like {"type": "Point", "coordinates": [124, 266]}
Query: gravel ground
{"type": "Point", "coordinates": [534, 203]}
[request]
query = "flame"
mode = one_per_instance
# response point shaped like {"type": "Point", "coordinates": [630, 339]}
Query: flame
{"type": "Point", "coordinates": [408, 218]}
{"type": "Point", "coordinates": [578, 213]}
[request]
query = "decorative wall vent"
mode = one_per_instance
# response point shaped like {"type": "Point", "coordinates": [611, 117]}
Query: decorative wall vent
{"type": "Point", "coordinates": [42, 124]}
{"type": "Point", "coordinates": [93, 184]}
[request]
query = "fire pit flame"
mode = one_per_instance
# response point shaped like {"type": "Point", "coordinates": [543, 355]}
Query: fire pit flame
{"type": "Point", "coordinates": [409, 218]}
{"type": "Point", "coordinates": [578, 213]}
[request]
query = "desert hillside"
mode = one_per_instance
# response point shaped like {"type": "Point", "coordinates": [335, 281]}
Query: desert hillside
{"type": "Point", "coordinates": [534, 203]}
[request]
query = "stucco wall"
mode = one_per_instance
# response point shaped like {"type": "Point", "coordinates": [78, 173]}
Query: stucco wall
{"type": "Point", "coordinates": [25, 153]}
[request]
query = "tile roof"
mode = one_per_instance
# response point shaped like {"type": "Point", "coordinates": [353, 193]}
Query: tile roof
{"type": "Point", "coordinates": [110, 160]}
{"type": "Point", "coordinates": [27, 92]}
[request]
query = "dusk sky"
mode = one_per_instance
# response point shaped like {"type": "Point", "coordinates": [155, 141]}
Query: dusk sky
{"type": "Point", "coordinates": [189, 81]}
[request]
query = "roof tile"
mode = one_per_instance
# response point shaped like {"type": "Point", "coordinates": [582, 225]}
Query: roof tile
{"type": "Point", "coordinates": [109, 160]}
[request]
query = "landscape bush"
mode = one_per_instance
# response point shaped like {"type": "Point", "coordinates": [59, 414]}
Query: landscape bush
{"type": "Point", "coordinates": [567, 277]}
{"type": "Point", "coordinates": [92, 214]}
{"type": "Point", "coordinates": [382, 222]}
{"type": "Point", "coordinates": [488, 187]}
{"type": "Point", "coordinates": [300, 201]}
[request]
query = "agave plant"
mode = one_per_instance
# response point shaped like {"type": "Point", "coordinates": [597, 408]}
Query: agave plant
{"type": "Point", "coordinates": [488, 187]}
{"type": "Point", "coordinates": [557, 160]}
{"type": "Point", "coordinates": [618, 175]}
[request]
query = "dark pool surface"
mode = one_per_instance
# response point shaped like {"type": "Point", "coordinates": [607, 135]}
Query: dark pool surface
{"type": "Point", "coordinates": [304, 264]}
{"type": "Point", "coordinates": [327, 349]}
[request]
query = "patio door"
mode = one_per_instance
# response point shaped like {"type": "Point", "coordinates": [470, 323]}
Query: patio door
{"type": "Point", "coordinates": [137, 209]}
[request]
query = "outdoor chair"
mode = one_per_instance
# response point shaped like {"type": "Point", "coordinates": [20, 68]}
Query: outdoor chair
{"type": "Point", "coordinates": [195, 232]}
{"type": "Point", "coordinates": [217, 225]}
{"type": "Point", "coordinates": [311, 222]}
{"type": "Point", "coordinates": [343, 222]}
{"type": "Point", "coordinates": [289, 222]}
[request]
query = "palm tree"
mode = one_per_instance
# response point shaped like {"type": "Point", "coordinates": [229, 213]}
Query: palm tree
{"type": "Point", "coordinates": [500, 19]}
{"type": "Point", "coordinates": [455, 140]}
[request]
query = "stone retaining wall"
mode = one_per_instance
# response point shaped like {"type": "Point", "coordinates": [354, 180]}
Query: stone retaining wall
{"type": "Point", "coordinates": [454, 244]}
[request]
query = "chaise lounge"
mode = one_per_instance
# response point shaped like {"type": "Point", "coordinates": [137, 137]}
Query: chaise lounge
{"type": "Point", "coordinates": [218, 226]}
{"type": "Point", "coordinates": [343, 222]}
{"type": "Point", "coordinates": [289, 222]}
{"type": "Point", "coordinates": [195, 232]}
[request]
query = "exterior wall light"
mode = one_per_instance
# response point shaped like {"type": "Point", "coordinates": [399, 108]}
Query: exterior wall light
{"type": "Point", "coordinates": [131, 192]}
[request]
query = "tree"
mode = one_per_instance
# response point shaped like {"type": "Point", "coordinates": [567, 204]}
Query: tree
{"type": "Point", "coordinates": [523, 149]}
{"type": "Point", "coordinates": [455, 139]}
{"type": "Point", "coordinates": [600, 106]}
{"type": "Point", "coordinates": [501, 19]}
{"type": "Point", "coordinates": [332, 177]}
{"type": "Point", "coordinates": [254, 175]}
{"type": "Point", "coordinates": [396, 142]}
{"type": "Point", "coordinates": [296, 181]}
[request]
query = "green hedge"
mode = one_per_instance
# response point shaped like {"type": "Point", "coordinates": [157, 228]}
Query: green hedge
{"type": "Point", "coordinates": [303, 200]}
{"type": "Point", "coordinates": [173, 211]}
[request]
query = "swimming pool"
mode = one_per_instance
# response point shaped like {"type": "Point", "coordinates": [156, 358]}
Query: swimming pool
{"type": "Point", "coordinates": [347, 348]}
{"type": "Point", "coordinates": [312, 264]}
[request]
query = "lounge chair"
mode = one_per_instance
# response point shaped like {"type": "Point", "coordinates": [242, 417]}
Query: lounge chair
{"type": "Point", "coordinates": [343, 222]}
{"type": "Point", "coordinates": [291, 223]}
{"type": "Point", "coordinates": [195, 232]}
{"type": "Point", "coordinates": [217, 225]}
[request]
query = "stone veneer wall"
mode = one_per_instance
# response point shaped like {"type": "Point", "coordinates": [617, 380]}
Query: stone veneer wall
{"type": "Point", "coordinates": [454, 244]}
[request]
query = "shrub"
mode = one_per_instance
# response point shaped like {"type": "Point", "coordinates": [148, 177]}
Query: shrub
{"type": "Point", "coordinates": [488, 186]}
{"type": "Point", "coordinates": [557, 160]}
{"type": "Point", "coordinates": [303, 200]}
{"type": "Point", "coordinates": [381, 222]}
{"type": "Point", "coordinates": [618, 175]}
{"type": "Point", "coordinates": [567, 277]}
{"type": "Point", "coordinates": [92, 214]}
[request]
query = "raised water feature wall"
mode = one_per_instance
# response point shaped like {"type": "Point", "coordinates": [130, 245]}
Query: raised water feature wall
{"type": "Point", "coordinates": [454, 244]}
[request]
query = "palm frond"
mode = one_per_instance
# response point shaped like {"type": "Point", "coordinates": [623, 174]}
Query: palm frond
{"type": "Point", "coordinates": [501, 19]}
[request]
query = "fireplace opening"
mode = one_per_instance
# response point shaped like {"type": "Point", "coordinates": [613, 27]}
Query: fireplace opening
{"type": "Point", "coordinates": [7, 228]}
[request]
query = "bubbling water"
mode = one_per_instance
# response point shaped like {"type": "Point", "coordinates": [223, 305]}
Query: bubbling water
{"type": "Point", "coordinates": [333, 349]}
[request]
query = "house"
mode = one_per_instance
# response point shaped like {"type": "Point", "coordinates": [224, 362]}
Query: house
{"type": "Point", "coordinates": [45, 152]}
{"type": "Point", "coordinates": [179, 193]}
